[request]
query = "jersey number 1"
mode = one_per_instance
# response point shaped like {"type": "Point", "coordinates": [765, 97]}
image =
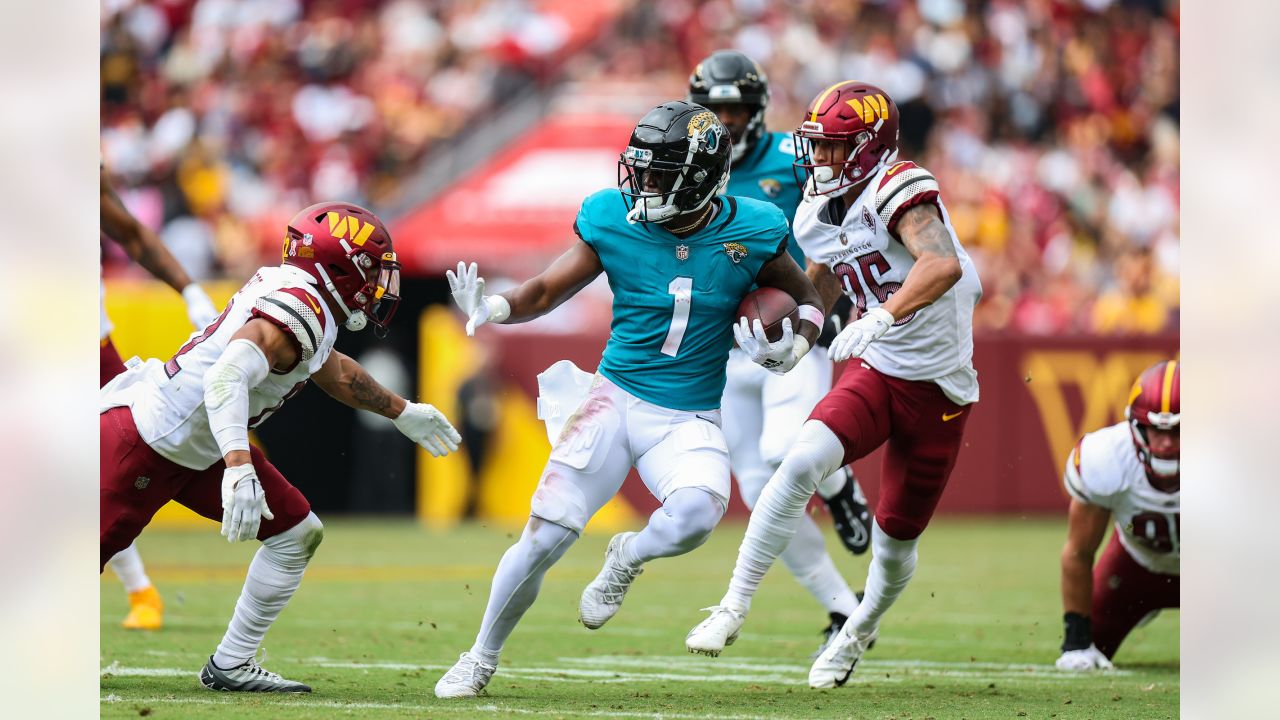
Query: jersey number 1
{"type": "Point", "coordinates": [682, 289]}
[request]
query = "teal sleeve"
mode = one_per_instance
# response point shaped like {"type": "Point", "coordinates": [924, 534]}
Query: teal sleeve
{"type": "Point", "coordinates": [582, 226]}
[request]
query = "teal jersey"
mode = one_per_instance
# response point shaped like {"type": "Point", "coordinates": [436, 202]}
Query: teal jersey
{"type": "Point", "coordinates": [764, 173]}
{"type": "Point", "coordinates": [675, 299]}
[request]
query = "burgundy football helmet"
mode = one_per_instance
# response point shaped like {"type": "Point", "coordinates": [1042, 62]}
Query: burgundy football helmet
{"type": "Point", "coordinates": [862, 115]}
{"type": "Point", "coordinates": [348, 251]}
{"type": "Point", "coordinates": [1154, 403]}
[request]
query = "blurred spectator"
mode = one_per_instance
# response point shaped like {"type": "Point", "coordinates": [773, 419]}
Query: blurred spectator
{"type": "Point", "coordinates": [478, 417]}
{"type": "Point", "coordinates": [1052, 125]}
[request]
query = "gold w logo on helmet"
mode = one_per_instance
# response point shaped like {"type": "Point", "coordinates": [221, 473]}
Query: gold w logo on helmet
{"type": "Point", "coordinates": [870, 107]}
{"type": "Point", "coordinates": [349, 228]}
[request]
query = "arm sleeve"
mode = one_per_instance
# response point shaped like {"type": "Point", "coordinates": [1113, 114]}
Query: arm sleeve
{"type": "Point", "coordinates": [582, 226]}
{"type": "Point", "coordinates": [241, 367]}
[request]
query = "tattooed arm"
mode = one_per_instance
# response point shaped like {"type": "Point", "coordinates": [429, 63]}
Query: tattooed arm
{"type": "Point", "coordinates": [936, 268]}
{"type": "Point", "coordinates": [349, 383]}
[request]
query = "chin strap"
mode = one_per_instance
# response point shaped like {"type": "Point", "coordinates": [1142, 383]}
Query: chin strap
{"type": "Point", "coordinates": [355, 321]}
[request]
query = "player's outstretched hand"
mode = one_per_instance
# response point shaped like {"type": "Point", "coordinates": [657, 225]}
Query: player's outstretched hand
{"type": "Point", "coordinates": [200, 309]}
{"type": "Point", "coordinates": [243, 503]}
{"type": "Point", "coordinates": [1090, 658]}
{"type": "Point", "coordinates": [857, 335]}
{"type": "Point", "coordinates": [429, 428]}
{"type": "Point", "coordinates": [468, 292]}
{"type": "Point", "coordinates": [778, 357]}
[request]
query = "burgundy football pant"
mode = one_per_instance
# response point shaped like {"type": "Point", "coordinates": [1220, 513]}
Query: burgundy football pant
{"type": "Point", "coordinates": [109, 362]}
{"type": "Point", "coordinates": [1123, 593]}
{"type": "Point", "coordinates": [136, 481]}
{"type": "Point", "coordinates": [923, 430]}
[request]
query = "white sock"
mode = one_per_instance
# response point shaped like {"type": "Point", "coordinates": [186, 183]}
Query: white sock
{"type": "Point", "coordinates": [516, 583]}
{"type": "Point", "coordinates": [807, 559]}
{"type": "Point", "coordinates": [817, 453]}
{"type": "Point", "coordinates": [684, 522]}
{"type": "Point", "coordinates": [127, 565]}
{"type": "Point", "coordinates": [832, 484]}
{"type": "Point", "coordinates": [893, 562]}
{"type": "Point", "coordinates": [274, 575]}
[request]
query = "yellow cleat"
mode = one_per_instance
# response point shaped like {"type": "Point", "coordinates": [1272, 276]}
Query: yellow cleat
{"type": "Point", "coordinates": [146, 610]}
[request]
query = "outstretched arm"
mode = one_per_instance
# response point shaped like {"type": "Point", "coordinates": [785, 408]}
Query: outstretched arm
{"type": "Point", "coordinates": [937, 267]}
{"type": "Point", "coordinates": [144, 248]}
{"type": "Point", "coordinates": [570, 272]}
{"type": "Point", "coordinates": [1086, 526]}
{"type": "Point", "coordinates": [346, 381]}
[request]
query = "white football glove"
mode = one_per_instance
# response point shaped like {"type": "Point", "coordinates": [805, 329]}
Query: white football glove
{"type": "Point", "coordinates": [1090, 658]}
{"type": "Point", "coordinates": [429, 428]}
{"type": "Point", "coordinates": [853, 340]}
{"type": "Point", "coordinates": [468, 293]}
{"type": "Point", "coordinates": [777, 357]}
{"type": "Point", "coordinates": [200, 309]}
{"type": "Point", "coordinates": [243, 503]}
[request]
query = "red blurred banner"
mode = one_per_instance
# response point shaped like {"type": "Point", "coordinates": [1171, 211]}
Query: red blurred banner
{"type": "Point", "coordinates": [518, 208]}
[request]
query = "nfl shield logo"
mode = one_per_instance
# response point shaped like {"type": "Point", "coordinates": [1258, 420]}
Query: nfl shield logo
{"type": "Point", "coordinates": [682, 252]}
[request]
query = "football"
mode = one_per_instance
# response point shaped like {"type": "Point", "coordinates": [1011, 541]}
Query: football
{"type": "Point", "coordinates": [770, 305]}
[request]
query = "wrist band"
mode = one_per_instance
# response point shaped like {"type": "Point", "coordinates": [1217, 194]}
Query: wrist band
{"type": "Point", "coordinates": [812, 314]}
{"type": "Point", "coordinates": [499, 308]}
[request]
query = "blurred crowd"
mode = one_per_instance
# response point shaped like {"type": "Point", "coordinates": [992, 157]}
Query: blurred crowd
{"type": "Point", "coordinates": [1052, 125]}
{"type": "Point", "coordinates": [221, 118]}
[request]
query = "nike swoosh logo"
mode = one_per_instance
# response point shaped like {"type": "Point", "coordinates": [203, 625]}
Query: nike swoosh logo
{"type": "Point", "coordinates": [894, 169]}
{"type": "Point", "coordinates": [713, 422]}
{"type": "Point", "coordinates": [951, 416]}
{"type": "Point", "coordinates": [312, 302]}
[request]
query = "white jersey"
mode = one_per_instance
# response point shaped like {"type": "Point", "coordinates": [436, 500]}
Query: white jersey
{"type": "Point", "coordinates": [934, 343]}
{"type": "Point", "coordinates": [167, 398]}
{"type": "Point", "coordinates": [1104, 470]}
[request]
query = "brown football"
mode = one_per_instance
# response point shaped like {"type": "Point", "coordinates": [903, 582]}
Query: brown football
{"type": "Point", "coordinates": [770, 305]}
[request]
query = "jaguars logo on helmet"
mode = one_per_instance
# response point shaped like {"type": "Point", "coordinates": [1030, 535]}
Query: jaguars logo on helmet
{"type": "Point", "coordinates": [675, 163]}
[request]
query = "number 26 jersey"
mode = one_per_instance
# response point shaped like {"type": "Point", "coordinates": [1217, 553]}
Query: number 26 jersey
{"type": "Point", "coordinates": [934, 343]}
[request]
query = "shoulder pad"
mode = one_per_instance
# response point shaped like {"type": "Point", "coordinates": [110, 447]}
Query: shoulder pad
{"type": "Point", "coordinates": [903, 185]}
{"type": "Point", "coordinates": [1095, 469]}
{"type": "Point", "coordinates": [298, 313]}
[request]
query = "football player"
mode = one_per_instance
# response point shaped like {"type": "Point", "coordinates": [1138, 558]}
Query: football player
{"type": "Point", "coordinates": [1130, 471]}
{"type": "Point", "coordinates": [874, 228]}
{"type": "Point", "coordinates": [179, 429]}
{"type": "Point", "coordinates": [146, 608]}
{"type": "Point", "coordinates": [679, 258]}
{"type": "Point", "coordinates": [763, 410]}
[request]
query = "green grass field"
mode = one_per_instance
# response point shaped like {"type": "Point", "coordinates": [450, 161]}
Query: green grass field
{"type": "Point", "coordinates": [387, 606]}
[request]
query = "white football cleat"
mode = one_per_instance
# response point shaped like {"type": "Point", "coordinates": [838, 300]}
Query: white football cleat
{"type": "Point", "coordinates": [465, 679]}
{"type": "Point", "coordinates": [248, 676]}
{"type": "Point", "coordinates": [602, 599]}
{"type": "Point", "coordinates": [836, 663]}
{"type": "Point", "coordinates": [713, 635]}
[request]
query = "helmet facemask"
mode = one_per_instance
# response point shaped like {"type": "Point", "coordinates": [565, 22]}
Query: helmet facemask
{"type": "Point", "coordinates": [658, 189]}
{"type": "Point", "coordinates": [832, 179]}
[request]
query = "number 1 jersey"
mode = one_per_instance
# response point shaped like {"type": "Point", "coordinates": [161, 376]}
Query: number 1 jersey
{"type": "Point", "coordinates": [934, 343]}
{"type": "Point", "coordinates": [675, 299]}
{"type": "Point", "coordinates": [167, 398]}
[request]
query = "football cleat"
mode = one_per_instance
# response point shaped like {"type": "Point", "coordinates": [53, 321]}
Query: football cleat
{"type": "Point", "coordinates": [146, 610]}
{"type": "Point", "coordinates": [851, 516]}
{"type": "Point", "coordinates": [713, 635]}
{"type": "Point", "coordinates": [465, 679]}
{"type": "Point", "coordinates": [836, 663]}
{"type": "Point", "coordinates": [602, 599]}
{"type": "Point", "coordinates": [249, 676]}
{"type": "Point", "coordinates": [830, 631]}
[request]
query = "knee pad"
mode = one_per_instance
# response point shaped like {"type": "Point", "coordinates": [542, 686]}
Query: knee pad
{"type": "Point", "coordinates": [559, 500]}
{"type": "Point", "coordinates": [299, 542]}
{"type": "Point", "coordinates": [695, 513]}
{"type": "Point", "coordinates": [816, 454]}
